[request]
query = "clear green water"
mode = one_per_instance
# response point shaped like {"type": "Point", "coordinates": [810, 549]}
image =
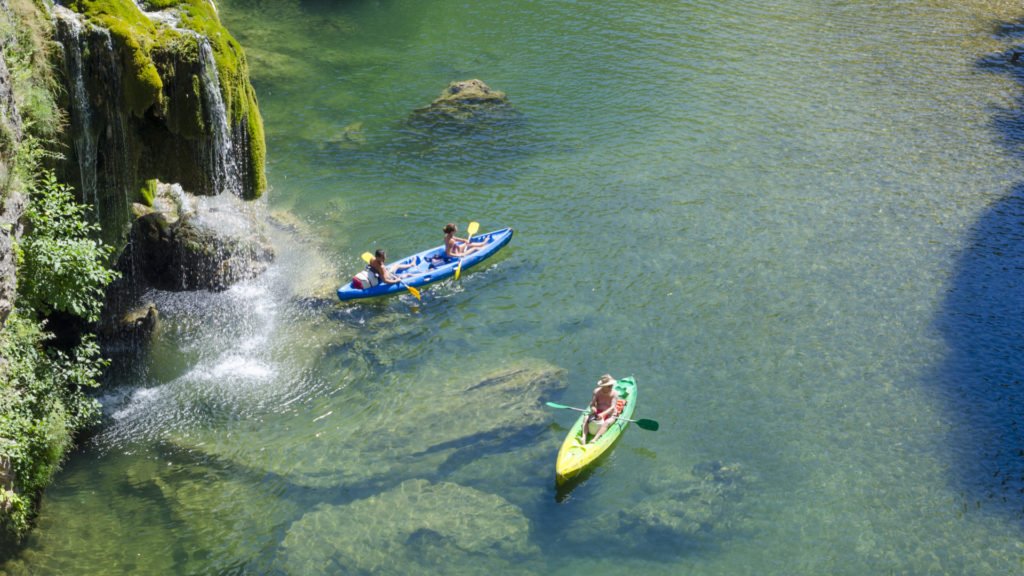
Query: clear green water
{"type": "Point", "coordinates": [799, 224]}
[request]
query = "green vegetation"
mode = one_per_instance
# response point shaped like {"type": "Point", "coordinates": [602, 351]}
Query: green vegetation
{"type": "Point", "coordinates": [42, 404]}
{"type": "Point", "coordinates": [139, 39]}
{"type": "Point", "coordinates": [148, 192]}
{"type": "Point", "coordinates": [43, 400]}
{"type": "Point", "coordinates": [24, 38]}
{"type": "Point", "coordinates": [61, 266]}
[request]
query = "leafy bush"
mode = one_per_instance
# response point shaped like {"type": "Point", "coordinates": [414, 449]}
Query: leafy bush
{"type": "Point", "coordinates": [61, 264]}
{"type": "Point", "coordinates": [42, 403]}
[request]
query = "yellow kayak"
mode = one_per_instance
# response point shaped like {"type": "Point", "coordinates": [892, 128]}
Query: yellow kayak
{"type": "Point", "coordinates": [574, 457]}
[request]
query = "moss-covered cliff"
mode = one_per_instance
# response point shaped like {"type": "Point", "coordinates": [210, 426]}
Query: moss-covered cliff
{"type": "Point", "coordinates": [112, 97]}
{"type": "Point", "coordinates": [146, 76]}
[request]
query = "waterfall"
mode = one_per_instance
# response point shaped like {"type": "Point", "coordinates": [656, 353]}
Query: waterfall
{"type": "Point", "coordinates": [69, 31]}
{"type": "Point", "coordinates": [99, 131]}
{"type": "Point", "coordinates": [119, 171]}
{"type": "Point", "coordinates": [221, 157]}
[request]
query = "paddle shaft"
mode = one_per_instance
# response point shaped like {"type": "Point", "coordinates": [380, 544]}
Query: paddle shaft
{"type": "Point", "coordinates": [473, 227]}
{"type": "Point", "coordinates": [644, 423]}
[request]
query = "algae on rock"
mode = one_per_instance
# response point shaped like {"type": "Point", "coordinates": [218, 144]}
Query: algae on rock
{"type": "Point", "coordinates": [418, 527]}
{"type": "Point", "coordinates": [163, 94]}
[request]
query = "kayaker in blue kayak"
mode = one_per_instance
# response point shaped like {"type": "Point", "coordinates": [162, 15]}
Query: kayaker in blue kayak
{"type": "Point", "coordinates": [452, 246]}
{"type": "Point", "coordinates": [378, 268]}
{"type": "Point", "coordinates": [604, 408]}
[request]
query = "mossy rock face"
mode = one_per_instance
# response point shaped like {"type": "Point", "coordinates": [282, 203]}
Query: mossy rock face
{"type": "Point", "coordinates": [161, 104]}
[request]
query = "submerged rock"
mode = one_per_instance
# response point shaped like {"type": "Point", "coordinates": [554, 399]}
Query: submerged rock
{"type": "Point", "coordinates": [358, 443]}
{"type": "Point", "coordinates": [351, 137]}
{"type": "Point", "coordinates": [418, 527]}
{"type": "Point", "coordinates": [212, 511]}
{"type": "Point", "coordinates": [682, 511]}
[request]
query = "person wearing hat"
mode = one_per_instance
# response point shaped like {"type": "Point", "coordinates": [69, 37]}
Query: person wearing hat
{"type": "Point", "coordinates": [604, 408]}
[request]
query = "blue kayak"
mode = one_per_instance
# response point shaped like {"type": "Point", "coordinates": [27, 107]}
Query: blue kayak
{"type": "Point", "coordinates": [430, 266]}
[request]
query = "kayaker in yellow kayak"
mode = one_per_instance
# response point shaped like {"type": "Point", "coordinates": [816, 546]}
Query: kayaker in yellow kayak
{"type": "Point", "coordinates": [604, 408]}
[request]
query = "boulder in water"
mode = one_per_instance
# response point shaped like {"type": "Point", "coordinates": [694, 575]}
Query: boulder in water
{"type": "Point", "coordinates": [463, 100]}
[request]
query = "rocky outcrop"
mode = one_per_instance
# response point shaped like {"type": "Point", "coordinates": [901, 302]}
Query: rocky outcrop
{"type": "Point", "coordinates": [161, 94]}
{"type": "Point", "coordinates": [465, 103]}
{"type": "Point", "coordinates": [160, 91]}
{"type": "Point", "coordinates": [189, 242]}
{"type": "Point", "coordinates": [463, 97]}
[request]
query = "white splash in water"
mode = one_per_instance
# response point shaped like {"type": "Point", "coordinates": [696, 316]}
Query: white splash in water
{"type": "Point", "coordinates": [131, 402]}
{"type": "Point", "coordinates": [236, 369]}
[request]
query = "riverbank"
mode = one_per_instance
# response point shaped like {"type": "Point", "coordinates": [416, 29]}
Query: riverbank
{"type": "Point", "coordinates": [98, 105]}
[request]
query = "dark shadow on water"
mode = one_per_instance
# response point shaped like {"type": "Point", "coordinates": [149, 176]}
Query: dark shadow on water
{"type": "Point", "coordinates": [982, 322]}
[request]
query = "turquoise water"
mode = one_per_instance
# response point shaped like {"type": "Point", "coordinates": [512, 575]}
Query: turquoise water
{"type": "Point", "coordinates": [798, 224]}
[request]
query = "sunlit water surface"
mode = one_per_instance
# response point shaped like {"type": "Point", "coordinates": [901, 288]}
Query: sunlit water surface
{"type": "Point", "coordinates": [798, 224]}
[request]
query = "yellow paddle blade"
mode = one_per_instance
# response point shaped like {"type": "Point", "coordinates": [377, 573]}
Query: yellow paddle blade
{"type": "Point", "coordinates": [367, 257]}
{"type": "Point", "coordinates": [412, 291]}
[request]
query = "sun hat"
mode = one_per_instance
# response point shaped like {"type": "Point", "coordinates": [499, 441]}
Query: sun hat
{"type": "Point", "coordinates": [606, 380]}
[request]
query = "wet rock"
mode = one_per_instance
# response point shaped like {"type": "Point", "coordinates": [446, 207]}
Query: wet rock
{"type": "Point", "coordinates": [465, 103]}
{"type": "Point", "coordinates": [416, 528]}
{"type": "Point", "coordinates": [196, 243]}
{"type": "Point", "coordinates": [464, 95]}
{"type": "Point", "coordinates": [682, 511]}
{"type": "Point", "coordinates": [136, 325]}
